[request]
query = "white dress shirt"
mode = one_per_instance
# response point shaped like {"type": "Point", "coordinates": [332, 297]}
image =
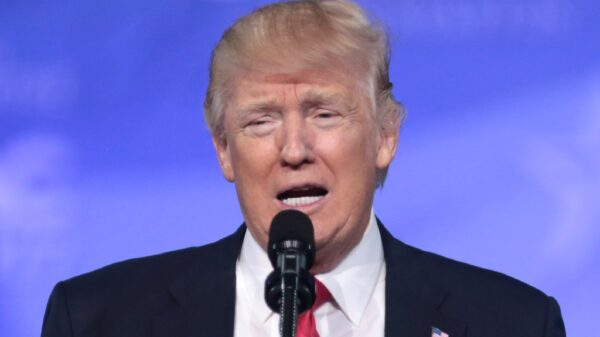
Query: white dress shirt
{"type": "Point", "coordinates": [357, 285]}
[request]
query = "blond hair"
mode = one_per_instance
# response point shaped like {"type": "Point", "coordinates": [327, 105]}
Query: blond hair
{"type": "Point", "coordinates": [301, 35]}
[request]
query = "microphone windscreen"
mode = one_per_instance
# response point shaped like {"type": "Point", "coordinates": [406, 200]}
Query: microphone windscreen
{"type": "Point", "coordinates": [291, 226]}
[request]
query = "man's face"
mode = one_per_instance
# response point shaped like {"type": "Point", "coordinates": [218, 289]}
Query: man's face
{"type": "Point", "coordinates": [306, 141]}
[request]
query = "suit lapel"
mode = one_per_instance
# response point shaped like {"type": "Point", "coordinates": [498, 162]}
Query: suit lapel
{"type": "Point", "coordinates": [204, 296]}
{"type": "Point", "coordinates": [414, 297]}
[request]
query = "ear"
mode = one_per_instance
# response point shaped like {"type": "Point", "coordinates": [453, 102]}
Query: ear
{"type": "Point", "coordinates": [388, 143]}
{"type": "Point", "coordinates": [224, 157]}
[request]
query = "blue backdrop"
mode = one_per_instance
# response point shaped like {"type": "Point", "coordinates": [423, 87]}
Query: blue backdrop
{"type": "Point", "coordinates": [104, 154]}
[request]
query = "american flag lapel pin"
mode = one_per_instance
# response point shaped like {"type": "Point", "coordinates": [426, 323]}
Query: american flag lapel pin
{"type": "Point", "coordinates": [436, 332]}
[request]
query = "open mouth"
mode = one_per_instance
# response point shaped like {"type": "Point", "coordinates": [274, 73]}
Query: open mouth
{"type": "Point", "coordinates": [301, 196]}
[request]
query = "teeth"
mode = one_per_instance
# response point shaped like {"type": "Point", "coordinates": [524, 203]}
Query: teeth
{"type": "Point", "coordinates": [301, 201]}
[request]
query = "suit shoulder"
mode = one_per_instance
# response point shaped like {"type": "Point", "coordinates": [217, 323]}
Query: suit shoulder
{"type": "Point", "coordinates": [487, 298]}
{"type": "Point", "coordinates": [153, 267]}
{"type": "Point", "coordinates": [121, 298]}
{"type": "Point", "coordinates": [142, 274]}
{"type": "Point", "coordinates": [464, 277]}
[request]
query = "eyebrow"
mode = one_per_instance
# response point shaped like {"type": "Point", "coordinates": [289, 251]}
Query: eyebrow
{"type": "Point", "coordinates": [261, 106]}
{"type": "Point", "coordinates": [312, 98]}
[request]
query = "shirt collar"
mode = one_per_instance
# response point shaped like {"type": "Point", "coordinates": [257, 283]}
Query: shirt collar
{"type": "Point", "coordinates": [351, 283]}
{"type": "Point", "coordinates": [252, 269]}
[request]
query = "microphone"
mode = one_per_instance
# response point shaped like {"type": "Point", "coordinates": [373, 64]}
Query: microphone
{"type": "Point", "coordinates": [290, 288]}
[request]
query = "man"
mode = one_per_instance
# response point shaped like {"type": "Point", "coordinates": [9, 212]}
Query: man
{"type": "Point", "coordinates": [302, 116]}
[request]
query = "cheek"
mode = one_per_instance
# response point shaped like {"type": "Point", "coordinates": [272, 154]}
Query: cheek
{"type": "Point", "coordinates": [351, 152]}
{"type": "Point", "coordinates": [253, 162]}
{"type": "Point", "coordinates": [252, 159]}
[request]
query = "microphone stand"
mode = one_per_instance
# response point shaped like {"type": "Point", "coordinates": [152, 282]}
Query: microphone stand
{"type": "Point", "coordinates": [290, 288]}
{"type": "Point", "coordinates": [288, 314]}
{"type": "Point", "coordinates": [289, 291]}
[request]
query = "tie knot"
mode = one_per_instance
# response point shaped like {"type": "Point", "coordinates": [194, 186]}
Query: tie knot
{"type": "Point", "coordinates": [323, 295]}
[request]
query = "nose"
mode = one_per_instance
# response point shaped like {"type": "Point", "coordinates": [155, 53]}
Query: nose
{"type": "Point", "coordinates": [296, 144]}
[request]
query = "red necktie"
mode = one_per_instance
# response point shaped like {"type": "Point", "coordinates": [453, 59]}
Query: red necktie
{"type": "Point", "coordinates": [306, 322]}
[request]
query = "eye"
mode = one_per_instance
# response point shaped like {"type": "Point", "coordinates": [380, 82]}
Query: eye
{"type": "Point", "coordinates": [260, 126]}
{"type": "Point", "coordinates": [261, 121]}
{"type": "Point", "coordinates": [325, 115]}
{"type": "Point", "coordinates": [326, 118]}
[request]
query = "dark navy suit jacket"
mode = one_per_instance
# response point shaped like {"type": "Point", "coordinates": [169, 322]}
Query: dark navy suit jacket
{"type": "Point", "coordinates": [191, 293]}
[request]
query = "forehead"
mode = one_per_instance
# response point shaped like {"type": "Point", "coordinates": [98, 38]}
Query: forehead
{"type": "Point", "coordinates": [253, 88]}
